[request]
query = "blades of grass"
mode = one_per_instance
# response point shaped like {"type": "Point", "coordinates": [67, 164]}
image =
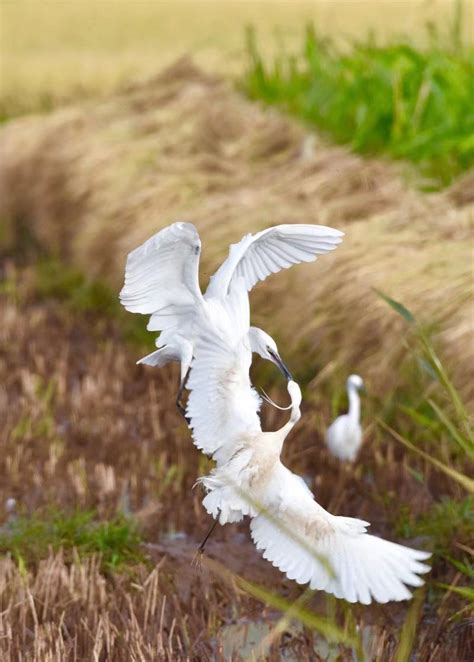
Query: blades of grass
{"type": "Point", "coordinates": [448, 385]}
{"type": "Point", "coordinates": [466, 444]}
{"type": "Point", "coordinates": [466, 482]}
{"type": "Point", "coordinates": [418, 418]}
{"type": "Point", "coordinates": [408, 632]}
{"type": "Point", "coordinates": [465, 568]}
{"type": "Point", "coordinates": [280, 627]}
{"type": "Point", "coordinates": [324, 626]}
{"type": "Point", "coordinates": [466, 592]}
{"type": "Point", "coordinates": [396, 306]}
{"type": "Point", "coordinates": [434, 360]}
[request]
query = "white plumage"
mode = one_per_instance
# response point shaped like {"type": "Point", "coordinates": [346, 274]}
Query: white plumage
{"type": "Point", "coordinates": [161, 280]}
{"type": "Point", "coordinates": [296, 534]}
{"type": "Point", "coordinates": [212, 333]}
{"type": "Point", "coordinates": [344, 435]}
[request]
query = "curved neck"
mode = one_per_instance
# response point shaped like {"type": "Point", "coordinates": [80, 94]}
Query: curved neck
{"type": "Point", "coordinates": [354, 403]}
{"type": "Point", "coordinates": [285, 430]}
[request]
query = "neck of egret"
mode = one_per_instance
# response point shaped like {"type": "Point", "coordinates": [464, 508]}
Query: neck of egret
{"type": "Point", "coordinates": [354, 402]}
{"type": "Point", "coordinates": [354, 384]}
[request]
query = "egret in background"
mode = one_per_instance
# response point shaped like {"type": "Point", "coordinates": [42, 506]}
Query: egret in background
{"type": "Point", "coordinates": [344, 435]}
{"type": "Point", "coordinates": [294, 532]}
{"type": "Point", "coordinates": [161, 280]}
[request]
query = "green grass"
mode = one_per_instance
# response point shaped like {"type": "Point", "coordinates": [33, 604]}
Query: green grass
{"type": "Point", "coordinates": [30, 538]}
{"type": "Point", "coordinates": [396, 100]}
{"type": "Point", "coordinates": [434, 426]}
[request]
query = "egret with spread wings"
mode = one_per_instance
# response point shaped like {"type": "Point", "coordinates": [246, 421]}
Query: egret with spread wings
{"type": "Point", "coordinates": [161, 280]}
{"type": "Point", "coordinates": [297, 535]}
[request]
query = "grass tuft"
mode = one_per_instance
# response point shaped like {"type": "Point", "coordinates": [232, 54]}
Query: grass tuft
{"type": "Point", "coordinates": [31, 538]}
{"type": "Point", "coordinates": [395, 99]}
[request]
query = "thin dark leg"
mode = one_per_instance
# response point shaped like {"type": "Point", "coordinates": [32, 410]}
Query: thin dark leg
{"type": "Point", "coordinates": [180, 406]}
{"type": "Point", "coordinates": [197, 560]}
{"type": "Point", "coordinates": [208, 535]}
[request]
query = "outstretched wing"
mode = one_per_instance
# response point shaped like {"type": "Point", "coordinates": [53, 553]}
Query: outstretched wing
{"type": "Point", "coordinates": [257, 256]}
{"type": "Point", "coordinates": [222, 405]}
{"type": "Point", "coordinates": [161, 276]}
{"type": "Point", "coordinates": [333, 554]}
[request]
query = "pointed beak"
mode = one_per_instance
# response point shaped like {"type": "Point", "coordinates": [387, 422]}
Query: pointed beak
{"type": "Point", "coordinates": [282, 367]}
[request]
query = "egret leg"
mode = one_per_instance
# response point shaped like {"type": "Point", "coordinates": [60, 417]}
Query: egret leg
{"type": "Point", "coordinates": [179, 404]}
{"type": "Point", "coordinates": [208, 535]}
{"type": "Point", "coordinates": [200, 551]}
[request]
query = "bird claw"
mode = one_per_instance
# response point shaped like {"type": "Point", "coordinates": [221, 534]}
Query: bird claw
{"type": "Point", "coordinates": [196, 563]}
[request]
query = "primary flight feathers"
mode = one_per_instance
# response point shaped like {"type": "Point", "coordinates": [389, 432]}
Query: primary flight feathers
{"type": "Point", "coordinates": [162, 273]}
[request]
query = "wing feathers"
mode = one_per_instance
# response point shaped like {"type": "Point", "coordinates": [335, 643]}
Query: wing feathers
{"type": "Point", "coordinates": [257, 256]}
{"type": "Point", "coordinates": [162, 275]}
{"type": "Point", "coordinates": [331, 553]}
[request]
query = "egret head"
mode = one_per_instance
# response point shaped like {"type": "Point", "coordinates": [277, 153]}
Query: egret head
{"type": "Point", "coordinates": [354, 381]}
{"type": "Point", "coordinates": [265, 346]}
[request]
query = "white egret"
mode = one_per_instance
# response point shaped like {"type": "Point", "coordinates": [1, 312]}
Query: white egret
{"type": "Point", "coordinates": [344, 435]}
{"type": "Point", "coordinates": [294, 532]}
{"type": "Point", "coordinates": [161, 280]}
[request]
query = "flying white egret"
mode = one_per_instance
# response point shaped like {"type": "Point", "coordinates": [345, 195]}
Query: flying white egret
{"type": "Point", "coordinates": [295, 533]}
{"type": "Point", "coordinates": [344, 435]}
{"type": "Point", "coordinates": [161, 280]}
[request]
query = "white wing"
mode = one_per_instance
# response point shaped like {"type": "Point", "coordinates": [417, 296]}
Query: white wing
{"type": "Point", "coordinates": [297, 536]}
{"type": "Point", "coordinates": [161, 276]}
{"type": "Point", "coordinates": [222, 405]}
{"type": "Point", "coordinates": [257, 256]}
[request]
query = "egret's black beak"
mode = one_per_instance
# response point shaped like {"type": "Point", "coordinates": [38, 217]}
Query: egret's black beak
{"type": "Point", "coordinates": [278, 362]}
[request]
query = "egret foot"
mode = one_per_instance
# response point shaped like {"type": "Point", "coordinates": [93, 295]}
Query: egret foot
{"type": "Point", "coordinates": [196, 563]}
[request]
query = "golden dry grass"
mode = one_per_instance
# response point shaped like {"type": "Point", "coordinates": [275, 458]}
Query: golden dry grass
{"type": "Point", "coordinates": [52, 51]}
{"type": "Point", "coordinates": [92, 182]}
{"type": "Point", "coordinates": [84, 428]}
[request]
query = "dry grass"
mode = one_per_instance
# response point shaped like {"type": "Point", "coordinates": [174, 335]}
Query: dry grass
{"type": "Point", "coordinates": [92, 182]}
{"type": "Point", "coordinates": [85, 429]}
{"type": "Point", "coordinates": [53, 51]}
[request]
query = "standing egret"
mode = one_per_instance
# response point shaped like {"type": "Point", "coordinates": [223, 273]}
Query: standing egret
{"type": "Point", "coordinates": [344, 435]}
{"type": "Point", "coordinates": [161, 280]}
{"type": "Point", "coordinates": [296, 534]}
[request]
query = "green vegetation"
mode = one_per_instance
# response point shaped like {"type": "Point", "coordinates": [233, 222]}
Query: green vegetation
{"type": "Point", "coordinates": [435, 427]}
{"type": "Point", "coordinates": [30, 538]}
{"type": "Point", "coordinates": [406, 102]}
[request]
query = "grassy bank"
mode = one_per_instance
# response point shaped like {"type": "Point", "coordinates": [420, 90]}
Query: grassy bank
{"type": "Point", "coordinates": [394, 99]}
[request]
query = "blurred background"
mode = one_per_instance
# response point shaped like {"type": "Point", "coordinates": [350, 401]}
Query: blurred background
{"type": "Point", "coordinates": [118, 118]}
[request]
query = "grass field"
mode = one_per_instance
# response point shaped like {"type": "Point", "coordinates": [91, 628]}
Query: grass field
{"type": "Point", "coordinates": [99, 521]}
{"type": "Point", "coordinates": [54, 51]}
{"type": "Point", "coordinates": [410, 103]}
